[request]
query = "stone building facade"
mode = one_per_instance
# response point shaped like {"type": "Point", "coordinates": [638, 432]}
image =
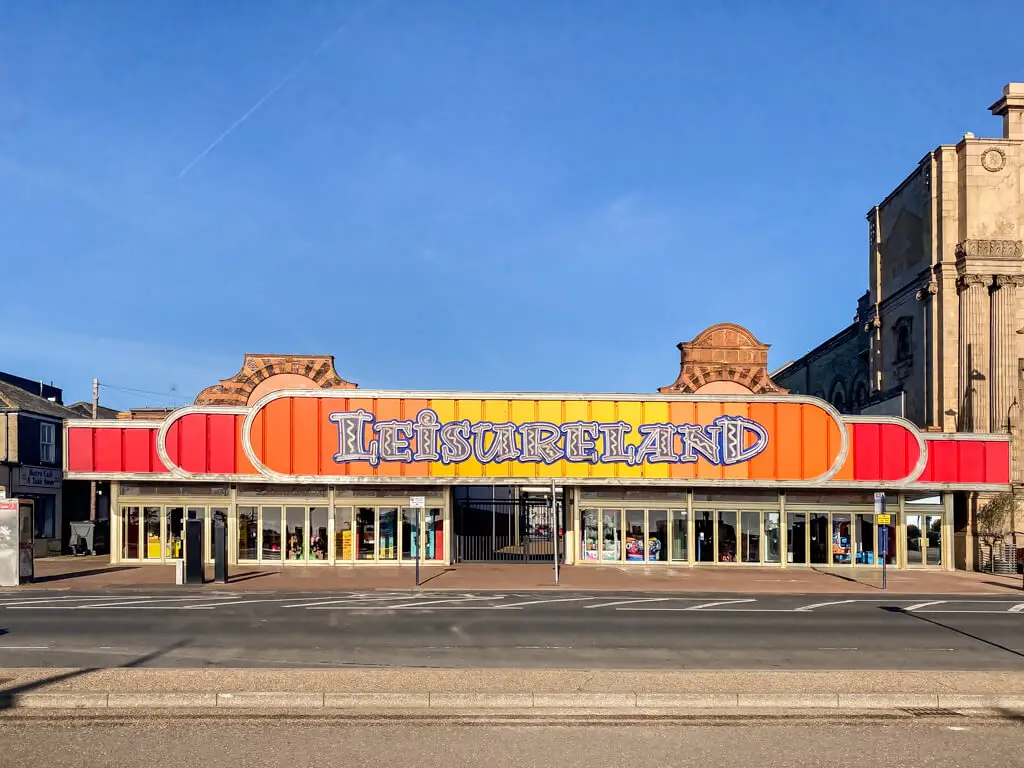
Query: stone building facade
{"type": "Point", "coordinates": [939, 328]}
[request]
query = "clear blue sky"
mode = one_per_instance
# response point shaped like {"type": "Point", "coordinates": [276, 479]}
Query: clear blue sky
{"type": "Point", "coordinates": [512, 194]}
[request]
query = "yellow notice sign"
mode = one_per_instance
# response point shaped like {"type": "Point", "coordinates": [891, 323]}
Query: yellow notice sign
{"type": "Point", "coordinates": [884, 519]}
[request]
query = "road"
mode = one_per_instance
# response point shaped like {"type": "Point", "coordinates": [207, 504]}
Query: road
{"type": "Point", "coordinates": [215, 742]}
{"type": "Point", "coordinates": [564, 630]}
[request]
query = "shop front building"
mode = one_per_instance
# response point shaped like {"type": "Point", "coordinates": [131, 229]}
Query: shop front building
{"type": "Point", "coordinates": [306, 470]}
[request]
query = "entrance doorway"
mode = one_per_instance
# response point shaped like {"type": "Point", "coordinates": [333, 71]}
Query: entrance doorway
{"type": "Point", "coordinates": [519, 528]}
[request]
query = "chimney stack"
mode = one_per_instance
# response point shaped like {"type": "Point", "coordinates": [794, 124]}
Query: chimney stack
{"type": "Point", "coordinates": [1011, 109]}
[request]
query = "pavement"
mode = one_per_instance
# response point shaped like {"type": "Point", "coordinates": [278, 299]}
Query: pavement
{"type": "Point", "coordinates": [186, 628]}
{"type": "Point", "coordinates": [263, 743]}
{"type": "Point", "coordinates": [97, 573]}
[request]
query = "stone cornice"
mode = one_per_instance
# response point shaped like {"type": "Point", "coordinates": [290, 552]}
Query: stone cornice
{"type": "Point", "coordinates": [927, 291]}
{"type": "Point", "coordinates": [990, 249]}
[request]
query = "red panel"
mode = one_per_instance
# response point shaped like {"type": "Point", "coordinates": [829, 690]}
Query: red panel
{"type": "Point", "coordinates": [899, 452]}
{"type": "Point", "coordinates": [221, 449]}
{"type": "Point", "coordinates": [80, 458]}
{"type": "Point", "coordinates": [972, 461]}
{"type": "Point", "coordinates": [137, 456]}
{"type": "Point", "coordinates": [154, 458]}
{"type": "Point", "coordinates": [997, 462]}
{"type": "Point", "coordinates": [192, 442]}
{"type": "Point", "coordinates": [171, 444]}
{"type": "Point", "coordinates": [867, 463]}
{"type": "Point", "coordinates": [107, 447]}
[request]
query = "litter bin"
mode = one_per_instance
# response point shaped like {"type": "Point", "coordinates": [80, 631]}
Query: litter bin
{"type": "Point", "coordinates": [82, 538]}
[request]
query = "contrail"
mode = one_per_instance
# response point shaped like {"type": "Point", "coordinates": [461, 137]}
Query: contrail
{"type": "Point", "coordinates": [284, 81]}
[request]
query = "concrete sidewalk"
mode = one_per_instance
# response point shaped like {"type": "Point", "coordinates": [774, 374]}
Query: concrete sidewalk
{"type": "Point", "coordinates": [506, 690]}
{"type": "Point", "coordinates": [97, 573]}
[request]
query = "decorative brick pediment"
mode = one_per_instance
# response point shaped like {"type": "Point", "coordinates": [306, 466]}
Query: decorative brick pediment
{"type": "Point", "coordinates": [295, 372]}
{"type": "Point", "coordinates": [724, 353]}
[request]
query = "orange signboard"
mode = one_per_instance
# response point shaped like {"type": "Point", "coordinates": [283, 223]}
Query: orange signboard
{"type": "Point", "coordinates": [312, 433]}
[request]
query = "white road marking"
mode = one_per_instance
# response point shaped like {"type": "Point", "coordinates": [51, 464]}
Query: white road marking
{"type": "Point", "coordinates": [919, 606]}
{"type": "Point", "coordinates": [215, 604]}
{"type": "Point", "coordinates": [696, 607]}
{"type": "Point", "coordinates": [338, 600]}
{"type": "Point", "coordinates": [539, 602]}
{"type": "Point", "coordinates": [1018, 608]}
{"type": "Point", "coordinates": [139, 603]}
{"type": "Point", "coordinates": [24, 647]}
{"type": "Point", "coordinates": [629, 602]}
{"type": "Point", "coordinates": [837, 649]}
{"type": "Point", "coordinates": [812, 606]}
{"type": "Point", "coordinates": [416, 604]}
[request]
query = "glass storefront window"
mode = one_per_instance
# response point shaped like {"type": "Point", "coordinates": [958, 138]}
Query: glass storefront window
{"type": "Point", "coordinates": [796, 537]}
{"type": "Point", "coordinates": [248, 532]}
{"type": "Point", "coordinates": [704, 535]}
{"type": "Point", "coordinates": [842, 538]}
{"type": "Point", "coordinates": [387, 531]}
{"type": "Point", "coordinates": [433, 533]}
{"type": "Point", "coordinates": [295, 532]}
{"type": "Point", "coordinates": [343, 539]}
{"type": "Point", "coordinates": [657, 535]}
{"type": "Point", "coordinates": [175, 530]}
{"type": "Point", "coordinates": [366, 533]}
{"type": "Point", "coordinates": [151, 533]}
{"type": "Point", "coordinates": [820, 538]}
{"type": "Point", "coordinates": [409, 533]}
{"type": "Point", "coordinates": [727, 537]}
{"type": "Point", "coordinates": [635, 539]}
{"type": "Point", "coordinates": [611, 527]}
{"type": "Point", "coordinates": [750, 537]}
{"type": "Point", "coordinates": [680, 531]}
{"type": "Point", "coordinates": [865, 540]}
{"type": "Point", "coordinates": [588, 534]}
{"type": "Point", "coordinates": [130, 533]}
{"type": "Point", "coordinates": [270, 529]}
{"type": "Point", "coordinates": [772, 537]}
{"type": "Point", "coordinates": [319, 519]}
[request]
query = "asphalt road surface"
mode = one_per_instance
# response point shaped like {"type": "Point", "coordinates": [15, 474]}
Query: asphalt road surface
{"type": "Point", "coordinates": [254, 744]}
{"type": "Point", "coordinates": [528, 630]}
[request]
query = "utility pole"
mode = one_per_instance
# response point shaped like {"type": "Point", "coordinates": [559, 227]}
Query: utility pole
{"type": "Point", "coordinates": [92, 483]}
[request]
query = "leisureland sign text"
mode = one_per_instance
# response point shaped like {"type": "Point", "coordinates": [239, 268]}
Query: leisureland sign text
{"type": "Point", "coordinates": [725, 441]}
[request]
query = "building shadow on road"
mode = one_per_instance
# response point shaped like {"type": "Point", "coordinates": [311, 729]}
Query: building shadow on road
{"type": "Point", "coordinates": [249, 576]}
{"type": "Point", "coordinates": [436, 576]}
{"type": "Point", "coordinates": [934, 623]}
{"type": "Point", "coordinates": [79, 574]}
{"type": "Point", "coordinates": [8, 696]}
{"type": "Point", "coordinates": [844, 577]}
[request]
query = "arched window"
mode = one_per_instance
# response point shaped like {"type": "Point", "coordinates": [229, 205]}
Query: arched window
{"type": "Point", "coordinates": [903, 337]}
{"type": "Point", "coordinates": [838, 398]}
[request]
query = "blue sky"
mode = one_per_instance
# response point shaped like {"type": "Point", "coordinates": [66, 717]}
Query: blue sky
{"type": "Point", "coordinates": [515, 195]}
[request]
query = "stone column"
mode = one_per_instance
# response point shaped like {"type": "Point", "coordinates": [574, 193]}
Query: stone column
{"type": "Point", "coordinates": [1003, 368]}
{"type": "Point", "coordinates": [975, 338]}
{"type": "Point", "coordinates": [931, 362]}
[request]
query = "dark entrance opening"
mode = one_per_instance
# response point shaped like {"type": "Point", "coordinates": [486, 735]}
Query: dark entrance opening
{"type": "Point", "coordinates": [494, 524]}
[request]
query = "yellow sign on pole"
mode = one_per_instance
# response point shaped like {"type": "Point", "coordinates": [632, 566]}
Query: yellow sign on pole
{"type": "Point", "coordinates": [884, 519]}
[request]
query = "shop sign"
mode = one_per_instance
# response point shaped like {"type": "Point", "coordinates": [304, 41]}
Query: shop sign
{"type": "Point", "coordinates": [726, 441]}
{"type": "Point", "coordinates": [40, 477]}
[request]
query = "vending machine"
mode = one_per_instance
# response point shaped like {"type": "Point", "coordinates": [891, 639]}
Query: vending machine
{"type": "Point", "coordinates": [17, 553]}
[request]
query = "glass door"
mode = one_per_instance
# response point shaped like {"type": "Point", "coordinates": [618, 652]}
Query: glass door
{"type": "Point", "coordinates": [750, 537]}
{"type": "Point", "coordinates": [933, 540]}
{"type": "Point", "coordinates": [727, 539]}
{"type": "Point", "coordinates": [130, 532]}
{"type": "Point", "coordinates": [270, 534]}
{"type": "Point", "coordinates": [680, 536]}
{"type": "Point", "coordinates": [295, 528]}
{"type": "Point", "coordinates": [657, 535]}
{"type": "Point", "coordinates": [611, 532]}
{"type": "Point", "coordinates": [865, 539]}
{"type": "Point", "coordinates": [589, 534]}
{"type": "Point", "coordinates": [796, 538]}
{"type": "Point", "coordinates": [820, 540]}
{"type": "Point", "coordinates": [151, 534]}
{"type": "Point", "coordinates": [773, 537]}
{"type": "Point", "coordinates": [916, 542]}
{"type": "Point", "coordinates": [842, 539]}
{"type": "Point", "coordinates": [704, 536]}
{"type": "Point", "coordinates": [636, 541]}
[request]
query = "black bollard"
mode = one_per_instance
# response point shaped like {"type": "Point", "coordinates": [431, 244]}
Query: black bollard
{"type": "Point", "coordinates": [194, 570]}
{"type": "Point", "coordinates": [220, 552]}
